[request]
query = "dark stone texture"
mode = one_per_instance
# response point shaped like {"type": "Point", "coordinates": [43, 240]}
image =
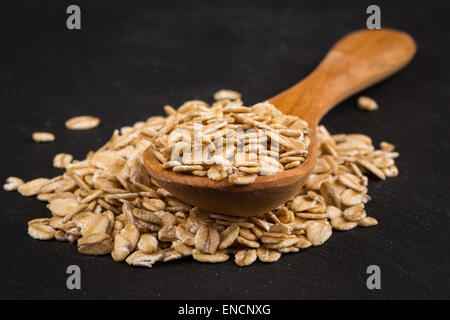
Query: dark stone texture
{"type": "Point", "coordinates": [132, 57]}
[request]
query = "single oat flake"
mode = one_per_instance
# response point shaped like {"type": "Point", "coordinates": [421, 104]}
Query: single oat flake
{"type": "Point", "coordinates": [82, 123]}
{"type": "Point", "coordinates": [107, 204]}
{"type": "Point", "coordinates": [43, 136]}
{"type": "Point", "coordinates": [366, 103]}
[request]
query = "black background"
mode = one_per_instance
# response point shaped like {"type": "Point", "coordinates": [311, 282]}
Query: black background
{"type": "Point", "coordinates": [132, 57]}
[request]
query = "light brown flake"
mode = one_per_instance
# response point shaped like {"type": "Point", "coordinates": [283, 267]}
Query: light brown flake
{"type": "Point", "coordinates": [82, 123]}
{"type": "Point", "coordinates": [40, 229]}
{"type": "Point", "coordinates": [12, 183]}
{"type": "Point", "coordinates": [354, 213]}
{"type": "Point", "coordinates": [147, 243]}
{"type": "Point", "coordinates": [43, 136]}
{"type": "Point", "coordinates": [366, 103]}
{"type": "Point", "coordinates": [342, 224]}
{"type": "Point", "coordinates": [141, 259]}
{"type": "Point", "coordinates": [125, 242]}
{"type": "Point", "coordinates": [61, 160]}
{"type": "Point", "coordinates": [62, 206]}
{"type": "Point", "coordinates": [95, 244]}
{"type": "Point", "coordinates": [367, 222]}
{"type": "Point", "coordinates": [211, 258]}
{"type": "Point", "coordinates": [245, 258]}
{"type": "Point", "coordinates": [317, 232]}
{"type": "Point", "coordinates": [386, 146]}
{"type": "Point", "coordinates": [207, 239]}
{"type": "Point", "coordinates": [227, 94]}
{"type": "Point", "coordinates": [228, 236]}
{"type": "Point", "coordinates": [33, 187]}
{"type": "Point", "coordinates": [268, 255]}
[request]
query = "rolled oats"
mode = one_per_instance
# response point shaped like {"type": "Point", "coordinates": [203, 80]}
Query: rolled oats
{"type": "Point", "coordinates": [43, 136]}
{"type": "Point", "coordinates": [354, 213]}
{"type": "Point", "coordinates": [317, 232]}
{"type": "Point", "coordinates": [367, 222]}
{"type": "Point", "coordinates": [95, 244]}
{"type": "Point", "coordinates": [342, 224]}
{"type": "Point", "coordinates": [210, 141]}
{"type": "Point", "coordinates": [61, 160]}
{"type": "Point", "coordinates": [82, 123]}
{"type": "Point", "coordinates": [109, 204]}
{"type": "Point", "coordinates": [40, 229]}
{"type": "Point", "coordinates": [148, 243]}
{"type": "Point", "coordinates": [207, 239]}
{"type": "Point", "coordinates": [245, 257]}
{"type": "Point", "coordinates": [366, 103]}
{"type": "Point", "coordinates": [33, 187]}
{"type": "Point", "coordinates": [125, 242]}
{"type": "Point", "coordinates": [228, 236]}
{"type": "Point", "coordinates": [182, 248]}
{"type": "Point", "coordinates": [211, 258]}
{"type": "Point", "coordinates": [12, 183]}
{"type": "Point", "coordinates": [141, 259]}
{"type": "Point", "coordinates": [268, 255]}
{"type": "Point", "coordinates": [63, 206]}
{"type": "Point", "coordinates": [227, 95]}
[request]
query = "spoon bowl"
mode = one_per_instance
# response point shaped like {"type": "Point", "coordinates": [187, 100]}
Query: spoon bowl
{"type": "Point", "coordinates": [354, 63]}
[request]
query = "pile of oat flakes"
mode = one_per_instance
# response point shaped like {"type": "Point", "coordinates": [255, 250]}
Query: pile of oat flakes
{"type": "Point", "coordinates": [231, 141]}
{"type": "Point", "coordinates": [108, 204]}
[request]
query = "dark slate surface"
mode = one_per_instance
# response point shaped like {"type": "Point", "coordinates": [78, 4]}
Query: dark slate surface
{"type": "Point", "coordinates": [131, 58]}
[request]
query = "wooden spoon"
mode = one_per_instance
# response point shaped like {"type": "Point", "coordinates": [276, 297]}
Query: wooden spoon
{"type": "Point", "coordinates": [354, 63]}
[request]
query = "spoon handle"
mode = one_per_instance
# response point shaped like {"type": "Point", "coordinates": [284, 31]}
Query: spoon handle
{"type": "Point", "coordinates": [355, 62]}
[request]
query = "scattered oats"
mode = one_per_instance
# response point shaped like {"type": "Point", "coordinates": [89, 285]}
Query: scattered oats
{"type": "Point", "coordinates": [366, 103]}
{"type": "Point", "coordinates": [108, 204]}
{"type": "Point", "coordinates": [43, 136]}
{"type": "Point", "coordinates": [82, 123]}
